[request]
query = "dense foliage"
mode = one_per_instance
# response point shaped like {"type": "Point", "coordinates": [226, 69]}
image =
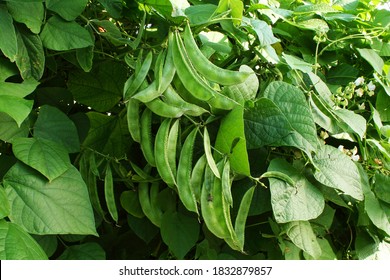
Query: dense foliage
{"type": "Point", "coordinates": [169, 129]}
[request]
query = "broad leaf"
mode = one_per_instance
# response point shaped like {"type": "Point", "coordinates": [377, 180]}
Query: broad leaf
{"type": "Point", "coordinates": [101, 88]}
{"type": "Point", "coordinates": [130, 202]}
{"type": "Point", "coordinates": [48, 157]}
{"type": "Point", "coordinates": [67, 9]}
{"type": "Point", "coordinates": [300, 202]}
{"type": "Point", "coordinates": [264, 32]}
{"type": "Point", "coordinates": [336, 170]}
{"type": "Point", "coordinates": [16, 244]}
{"type": "Point", "coordinates": [113, 7]}
{"type": "Point", "coordinates": [30, 57]}
{"type": "Point", "coordinates": [86, 251]}
{"type": "Point", "coordinates": [246, 90]}
{"type": "Point", "coordinates": [15, 107]}
{"type": "Point", "coordinates": [381, 187]}
{"type": "Point", "coordinates": [302, 235]}
{"type": "Point", "coordinates": [9, 129]}
{"type": "Point", "coordinates": [29, 13]}
{"type": "Point", "coordinates": [4, 204]}
{"type": "Point", "coordinates": [373, 58]}
{"type": "Point", "coordinates": [292, 103]}
{"type": "Point", "coordinates": [61, 35]}
{"type": "Point", "coordinates": [231, 140]}
{"type": "Point", "coordinates": [8, 41]}
{"type": "Point", "coordinates": [297, 63]}
{"type": "Point", "coordinates": [52, 124]}
{"type": "Point", "coordinates": [61, 206]}
{"type": "Point", "coordinates": [107, 134]}
{"type": "Point", "coordinates": [143, 228]}
{"type": "Point", "coordinates": [179, 232]}
{"type": "Point", "coordinates": [326, 251]}
{"type": "Point", "coordinates": [352, 122]}
{"type": "Point", "coordinates": [266, 117]}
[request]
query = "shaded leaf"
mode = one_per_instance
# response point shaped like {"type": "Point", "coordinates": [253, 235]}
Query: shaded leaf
{"type": "Point", "coordinates": [179, 232]}
{"type": "Point", "coordinates": [52, 124]}
{"type": "Point", "coordinates": [86, 251]}
{"type": "Point", "coordinates": [67, 9]}
{"type": "Point", "coordinates": [61, 35]}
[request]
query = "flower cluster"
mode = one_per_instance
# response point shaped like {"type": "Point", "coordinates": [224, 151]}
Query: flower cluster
{"type": "Point", "coordinates": [354, 93]}
{"type": "Point", "coordinates": [351, 153]}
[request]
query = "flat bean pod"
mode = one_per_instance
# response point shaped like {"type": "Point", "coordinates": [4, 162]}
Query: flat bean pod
{"type": "Point", "coordinates": [146, 137]}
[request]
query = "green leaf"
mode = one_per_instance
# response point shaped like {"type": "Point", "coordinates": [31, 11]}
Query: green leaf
{"type": "Point", "coordinates": [107, 134]}
{"type": "Point", "coordinates": [336, 170]}
{"type": "Point", "coordinates": [86, 251]}
{"type": "Point", "coordinates": [61, 206]}
{"type": "Point", "coordinates": [200, 14]}
{"type": "Point", "coordinates": [102, 88]}
{"type": "Point", "coordinates": [297, 63]}
{"type": "Point", "coordinates": [179, 232]}
{"type": "Point", "coordinates": [67, 9]}
{"type": "Point", "coordinates": [244, 91]}
{"type": "Point", "coordinates": [49, 243]}
{"type": "Point", "coordinates": [326, 251]}
{"type": "Point", "coordinates": [48, 157]}
{"type": "Point", "coordinates": [315, 24]}
{"type": "Point", "coordinates": [8, 41]}
{"type": "Point", "coordinates": [373, 58]}
{"type": "Point", "coordinates": [85, 58]}
{"type": "Point", "coordinates": [265, 117]}
{"type": "Point", "coordinates": [143, 228]}
{"type": "Point", "coordinates": [383, 106]}
{"type": "Point", "coordinates": [15, 107]}
{"type": "Point", "coordinates": [52, 124]}
{"type": "Point", "coordinates": [130, 202]}
{"type": "Point", "coordinates": [302, 235]}
{"type": "Point", "coordinates": [7, 69]}
{"type": "Point", "coordinates": [113, 7]}
{"type": "Point", "coordinates": [292, 103]}
{"type": "Point", "coordinates": [352, 122]}
{"type": "Point", "coordinates": [342, 74]}
{"type": "Point", "coordinates": [231, 140]}
{"type": "Point", "coordinates": [300, 202]}
{"type": "Point", "coordinates": [60, 35]}
{"type": "Point", "coordinates": [29, 13]}
{"type": "Point", "coordinates": [30, 57]}
{"type": "Point", "coordinates": [381, 187]}
{"type": "Point", "coordinates": [16, 244]}
{"type": "Point", "coordinates": [9, 129]}
{"type": "Point", "coordinates": [4, 204]}
{"type": "Point", "coordinates": [264, 32]}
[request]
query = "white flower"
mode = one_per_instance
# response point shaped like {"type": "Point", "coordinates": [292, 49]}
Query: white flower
{"type": "Point", "coordinates": [362, 106]}
{"type": "Point", "coordinates": [370, 93]}
{"type": "Point", "coordinates": [371, 86]}
{"type": "Point", "coordinates": [355, 156]}
{"type": "Point", "coordinates": [359, 81]}
{"type": "Point", "coordinates": [341, 148]}
{"type": "Point", "coordinates": [359, 92]}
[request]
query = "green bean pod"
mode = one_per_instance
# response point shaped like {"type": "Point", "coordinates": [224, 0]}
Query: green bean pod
{"type": "Point", "coordinates": [187, 73]}
{"type": "Point", "coordinates": [197, 176]}
{"type": "Point", "coordinates": [163, 109]}
{"type": "Point", "coordinates": [109, 193]}
{"type": "Point", "coordinates": [133, 119]}
{"type": "Point", "coordinates": [206, 68]}
{"type": "Point", "coordinates": [171, 97]}
{"type": "Point", "coordinates": [183, 179]}
{"type": "Point", "coordinates": [226, 183]}
{"type": "Point", "coordinates": [144, 196]}
{"type": "Point", "coordinates": [242, 215]}
{"type": "Point", "coordinates": [156, 88]}
{"type": "Point", "coordinates": [209, 155]}
{"type": "Point", "coordinates": [139, 77]}
{"type": "Point", "coordinates": [146, 137]}
{"type": "Point", "coordinates": [172, 145]}
{"type": "Point", "coordinates": [211, 202]}
{"type": "Point", "coordinates": [161, 150]}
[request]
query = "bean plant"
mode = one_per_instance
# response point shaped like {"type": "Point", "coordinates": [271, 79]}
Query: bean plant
{"type": "Point", "coordinates": [218, 129]}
